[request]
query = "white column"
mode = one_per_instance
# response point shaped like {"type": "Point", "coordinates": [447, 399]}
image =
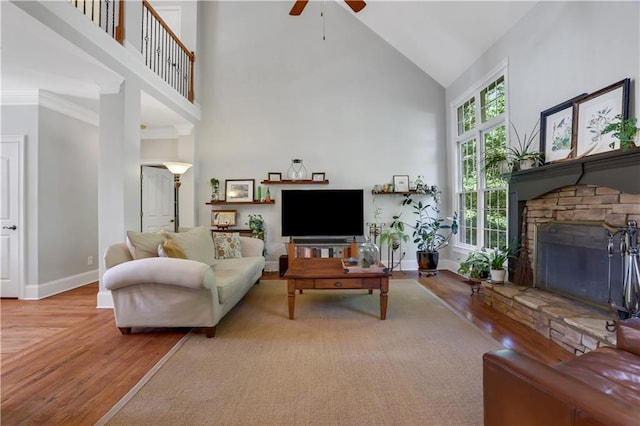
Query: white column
{"type": "Point", "coordinates": [118, 172]}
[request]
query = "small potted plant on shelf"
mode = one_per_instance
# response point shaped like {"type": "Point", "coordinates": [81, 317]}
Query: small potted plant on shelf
{"type": "Point", "coordinates": [431, 232]}
{"type": "Point", "coordinates": [215, 185]}
{"type": "Point", "coordinates": [624, 129]}
{"type": "Point", "coordinates": [476, 266]}
{"type": "Point", "coordinates": [497, 260]}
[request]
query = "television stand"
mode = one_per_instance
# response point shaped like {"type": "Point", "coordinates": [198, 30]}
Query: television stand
{"type": "Point", "coordinates": [322, 247]}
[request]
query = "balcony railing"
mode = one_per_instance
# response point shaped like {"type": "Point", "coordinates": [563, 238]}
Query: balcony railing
{"type": "Point", "coordinates": [165, 54]}
{"type": "Point", "coordinates": [162, 50]}
{"type": "Point", "coordinates": [107, 14]}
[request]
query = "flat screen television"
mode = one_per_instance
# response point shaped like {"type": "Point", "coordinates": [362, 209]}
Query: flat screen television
{"type": "Point", "coordinates": [322, 213]}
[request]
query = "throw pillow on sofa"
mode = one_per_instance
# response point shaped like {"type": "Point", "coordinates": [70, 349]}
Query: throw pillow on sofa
{"type": "Point", "coordinates": [171, 249]}
{"type": "Point", "coordinates": [196, 244]}
{"type": "Point", "coordinates": [144, 244]}
{"type": "Point", "coordinates": [227, 245]}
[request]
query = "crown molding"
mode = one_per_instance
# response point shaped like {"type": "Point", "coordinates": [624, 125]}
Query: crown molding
{"type": "Point", "coordinates": [167, 132]}
{"type": "Point", "coordinates": [49, 100]}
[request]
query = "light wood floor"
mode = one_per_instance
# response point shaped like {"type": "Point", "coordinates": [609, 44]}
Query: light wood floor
{"type": "Point", "coordinates": [65, 362]}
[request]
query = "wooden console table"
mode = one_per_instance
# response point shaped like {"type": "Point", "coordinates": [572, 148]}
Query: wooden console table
{"type": "Point", "coordinates": [328, 274]}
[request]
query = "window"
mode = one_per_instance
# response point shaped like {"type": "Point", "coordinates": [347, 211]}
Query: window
{"type": "Point", "coordinates": [481, 194]}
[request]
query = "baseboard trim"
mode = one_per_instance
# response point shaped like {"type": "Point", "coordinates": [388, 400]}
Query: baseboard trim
{"type": "Point", "coordinates": [41, 291]}
{"type": "Point", "coordinates": [105, 300]}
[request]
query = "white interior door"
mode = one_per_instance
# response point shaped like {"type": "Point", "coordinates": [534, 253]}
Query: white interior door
{"type": "Point", "coordinates": [157, 199]}
{"type": "Point", "coordinates": [10, 215]}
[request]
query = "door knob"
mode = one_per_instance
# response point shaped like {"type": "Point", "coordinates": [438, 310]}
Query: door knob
{"type": "Point", "coordinates": [12, 227]}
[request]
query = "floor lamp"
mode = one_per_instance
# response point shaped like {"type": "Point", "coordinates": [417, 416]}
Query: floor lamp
{"type": "Point", "coordinates": [177, 169]}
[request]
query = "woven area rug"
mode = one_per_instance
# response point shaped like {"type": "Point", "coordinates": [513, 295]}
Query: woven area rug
{"type": "Point", "coordinates": [336, 363]}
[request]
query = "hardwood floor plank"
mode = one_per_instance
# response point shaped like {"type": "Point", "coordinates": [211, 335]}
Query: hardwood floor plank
{"type": "Point", "coordinates": [65, 362]}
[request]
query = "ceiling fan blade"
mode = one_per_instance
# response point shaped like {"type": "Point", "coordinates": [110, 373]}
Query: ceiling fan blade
{"type": "Point", "coordinates": [298, 7]}
{"type": "Point", "coordinates": [356, 5]}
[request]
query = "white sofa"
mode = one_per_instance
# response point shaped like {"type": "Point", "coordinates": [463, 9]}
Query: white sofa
{"type": "Point", "coordinates": [175, 292]}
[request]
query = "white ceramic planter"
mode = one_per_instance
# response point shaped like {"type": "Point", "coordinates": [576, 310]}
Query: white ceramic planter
{"type": "Point", "coordinates": [497, 275]}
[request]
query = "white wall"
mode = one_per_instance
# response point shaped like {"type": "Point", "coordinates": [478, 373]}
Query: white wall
{"type": "Point", "coordinates": [557, 51]}
{"type": "Point", "coordinates": [350, 105]}
{"type": "Point", "coordinates": [67, 196]}
{"type": "Point", "coordinates": [61, 229]}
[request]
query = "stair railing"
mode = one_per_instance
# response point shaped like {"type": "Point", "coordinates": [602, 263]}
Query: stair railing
{"type": "Point", "coordinates": [165, 54]}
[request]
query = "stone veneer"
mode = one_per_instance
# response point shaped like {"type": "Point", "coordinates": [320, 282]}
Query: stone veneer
{"type": "Point", "coordinates": [572, 325]}
{"type": "Point", "coordinates": [580, 203]}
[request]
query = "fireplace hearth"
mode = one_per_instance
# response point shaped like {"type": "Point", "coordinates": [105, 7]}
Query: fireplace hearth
{"type": "Point", "coordinates": [600, 191]}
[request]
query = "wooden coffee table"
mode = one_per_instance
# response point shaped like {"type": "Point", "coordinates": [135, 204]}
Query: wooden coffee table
{"type": "Point", "coordinates": [328, 274]}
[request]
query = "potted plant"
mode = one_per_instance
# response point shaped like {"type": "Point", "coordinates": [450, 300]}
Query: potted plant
{"type": "Point", "coordinates": [394, 234]}
{"type": "Point", "coordinates": [431, 231]}
{"type": "Point", "coordinates": [624, 129]}
{"type": "Point", "coordinates": [497, 260]}
{"type": "Point", "coordinates": [516, 157]}
{"type": "Point", "coordinates": [476, 266]}
{"type": "Point", "coordinates": [215, 185]}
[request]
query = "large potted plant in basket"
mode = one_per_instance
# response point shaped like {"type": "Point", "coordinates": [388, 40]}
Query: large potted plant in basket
{"type": "Point", "coordinates": [431, 232]}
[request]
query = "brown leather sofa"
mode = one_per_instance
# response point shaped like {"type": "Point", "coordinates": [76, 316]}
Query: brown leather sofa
{"type": "Point", "coordinates": [601, 387]}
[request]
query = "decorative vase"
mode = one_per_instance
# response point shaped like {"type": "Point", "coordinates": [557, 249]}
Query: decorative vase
{"type": "Point", "coordinates": [368, 254]}
{"type": "Point", "coordinates": [296, 170]}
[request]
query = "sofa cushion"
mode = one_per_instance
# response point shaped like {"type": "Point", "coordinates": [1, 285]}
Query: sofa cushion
{"type": "Point", "coordinates": [144, 244]}
{"type": "Point", "coordinates": [171, 249]}
{"type": "Point", "coordinates": [196, 244]}
{"type": "Point", "coordinates": [227, 245]}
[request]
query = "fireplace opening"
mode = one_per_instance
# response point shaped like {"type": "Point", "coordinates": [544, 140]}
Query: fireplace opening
{"type": "Point", "coordinates": [571, 259]}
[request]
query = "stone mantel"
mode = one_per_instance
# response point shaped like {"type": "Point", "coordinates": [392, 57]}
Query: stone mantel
{"type": "Point", "coordinates": [618, 170]}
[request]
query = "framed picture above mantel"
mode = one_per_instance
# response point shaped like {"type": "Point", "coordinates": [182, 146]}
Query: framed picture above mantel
{"type": "Point", "coordinates": [556, 131]}
{"type": "Point", "coordinates": [593, 113]}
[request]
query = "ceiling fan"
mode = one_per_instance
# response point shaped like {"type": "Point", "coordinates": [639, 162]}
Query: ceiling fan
{"type": "Point", "coordinates": [298, 6]}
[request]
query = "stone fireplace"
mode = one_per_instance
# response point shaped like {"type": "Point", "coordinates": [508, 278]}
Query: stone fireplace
{"type": "Point", "coordinates": [570, 225]}
{"type": "Point", "coordinates": [567, 207]}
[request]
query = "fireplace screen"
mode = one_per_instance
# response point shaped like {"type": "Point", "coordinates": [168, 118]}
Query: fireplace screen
{"type": "Point", "coordinates": [571, 259]}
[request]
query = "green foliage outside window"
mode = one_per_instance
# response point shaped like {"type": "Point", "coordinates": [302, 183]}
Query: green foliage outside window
{"type": "Point", "coordinates": [467, 116]}
{"type": "Point", "coordinates": [492, 100]}
{"type": "Point", "coordinates": [483, 190]}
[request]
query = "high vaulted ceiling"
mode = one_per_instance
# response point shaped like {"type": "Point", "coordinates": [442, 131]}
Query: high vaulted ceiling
{"type": "Point", "coordinates": [443, 38]}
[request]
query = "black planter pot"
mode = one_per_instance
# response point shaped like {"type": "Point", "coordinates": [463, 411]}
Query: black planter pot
{"type": "Point", "coordinates": [427, 262]}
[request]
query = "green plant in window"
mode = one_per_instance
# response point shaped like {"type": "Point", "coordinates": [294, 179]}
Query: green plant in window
{"type": "Point", "coordinates": [514, 158]}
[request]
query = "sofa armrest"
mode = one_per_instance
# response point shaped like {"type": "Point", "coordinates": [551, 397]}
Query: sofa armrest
{"type": "Point", "coordinates": [628, 335]}
{"type": "Point", "coordinates": [251, 247]}
{"type": "Point", "coordinates": [520, 390]}
{"type": "Point", "coordinates": [160, 270]}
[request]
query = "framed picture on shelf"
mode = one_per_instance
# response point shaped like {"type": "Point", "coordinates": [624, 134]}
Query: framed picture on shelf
{"type": "Point", "coordinates": [593, 113]}
{"type": "Point", "coordinates": [556, 131]}
{"type": "Point", "coordinates": [317, 177]}
{"type": "Point", "coordinates": [401, 183]}
{"type": "Point", "coordinates": [275, 176]}
{"type": "Point", "coordinates": [223, 218]}
{"type": "Point", "coordinates": [239, 190]}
